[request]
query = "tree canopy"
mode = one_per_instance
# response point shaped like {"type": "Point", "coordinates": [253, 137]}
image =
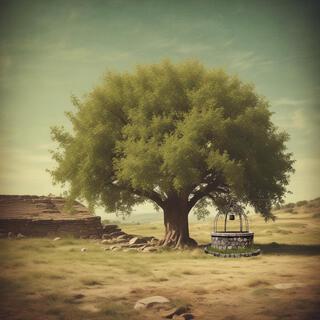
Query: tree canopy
{"type": "Point", "coordinates": [173, 133]}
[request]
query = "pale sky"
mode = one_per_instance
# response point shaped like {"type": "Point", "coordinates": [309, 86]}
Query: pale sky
{"type": "Point", "coordinates": [52, 49]}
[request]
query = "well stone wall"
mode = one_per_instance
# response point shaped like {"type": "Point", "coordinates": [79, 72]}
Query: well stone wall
{"type": "Point", "coordinates": [232, 240]}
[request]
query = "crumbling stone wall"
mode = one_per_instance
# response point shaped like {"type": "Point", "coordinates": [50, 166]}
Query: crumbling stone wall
{"type": "Point", "coordinates": [235, 240]}
{"type": "Point", "coordinates": [83, 228]}
{"type": "Point", "coordinates": [42, 216]}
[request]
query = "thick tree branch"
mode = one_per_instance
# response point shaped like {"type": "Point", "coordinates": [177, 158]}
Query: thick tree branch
{"type": "Point", "coordinates": [205, 191]}
{"type": "Point", "coordinates": [152, 195]}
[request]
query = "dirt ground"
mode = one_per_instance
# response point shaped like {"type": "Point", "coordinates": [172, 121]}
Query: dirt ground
{"type": "Point", "coordinates": [45, 279]}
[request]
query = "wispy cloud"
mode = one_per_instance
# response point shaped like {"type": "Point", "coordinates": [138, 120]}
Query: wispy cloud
{"type": "Point", "coordinates": [244, 60]}
{"type": "Point", "coordinates": [192, 48]}
{"type": "Point", "coordinates": [299, 120]}
{"type": "Point", "coordinates": [286, 101]}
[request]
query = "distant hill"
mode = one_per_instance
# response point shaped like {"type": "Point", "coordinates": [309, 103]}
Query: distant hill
{"type": "Point", "coordinates": [304, 206]}
{"type": "Point", "coordinates": [149, 217]}
{"type": "Point", "coordinates": [140, 218]}
{"type": "Point", "coordinates": [311, 207]}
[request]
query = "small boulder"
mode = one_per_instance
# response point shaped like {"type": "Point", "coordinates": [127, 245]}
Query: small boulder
{"type": "Point", "coordinates": [110, 228]}
{"type": "Point", "coordinates": [83, 249]}
{"type": "Point", "coordinates": [150, 301]}
{"type": "Point", "coordinates": [10, 234]}
{"type": "Point", "coordinates": [184, 316]}
{"type": "Point", "coordinates": [124, 237]}
{"type": "Point", "coordinates": [117, 234]}
{"type": "Point", "coordinates": [149, 249]}
{"type": "Point", "coordinates": [154, 241]}
{"type": "Point", "coordinates": [137, 240]}
{"type": "Point", "coordinates": [104, 241]}
{"type": "Point", "coordinates": [176, 312]}
{"type": "Point", "coordinates": [57, 239]}
{"type": "Point", "coordinates": [20, 236]}
{"type": "Point", "coordinates": [138, 245]}
{"type": "Point", "coordinates": [115, 248]}
{"type": "Point", "coordinates": [284, 286]}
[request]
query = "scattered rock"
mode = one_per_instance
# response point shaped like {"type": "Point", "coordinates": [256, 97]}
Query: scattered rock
{"type": "Point", "coordinates": [154, 241]}
{"type": "Point", "coordinates": [114, 248]}
{"type": "Point", "coordinates": [20, 236]}
{"type": "Point", "coordinates": [133, 240]}
{"type": "Point", "coordinates": [104, 241]}
{"type": "Point", "coordinates": [283, 286]}
{"type": "Point", "coordinates": [124, 237]}
{"type": "Point", "coordinates": [184, 316]}
{"type": "Point", "coordinates": [138, 245]}
{"type": "Point", "coordinates": [117, 234]}
{"type": "Point", "coordinates": [137, 240]}
{"type": "Point", "coordinates": [150, 301]}
{"type": "Point", "coordinates": [10, 235]}
{"type": "Point", "coordinates": [83, 249]}
{"type": "Point", "coordinates": [149, 249]}
{"type": "Point", "coordinates": [176, 312]}
{"type": "Point", "coordinates": [106, 236]}
{"type": "Point", "coordinates": [57, 239]}
{"type": "Point", "coordinates": [110, 228]}
{"type": "Point", "coordinates": [129, 249]}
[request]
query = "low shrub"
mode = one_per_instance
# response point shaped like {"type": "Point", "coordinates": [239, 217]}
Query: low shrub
{"type": "Point", "coordinates": [302, 203]}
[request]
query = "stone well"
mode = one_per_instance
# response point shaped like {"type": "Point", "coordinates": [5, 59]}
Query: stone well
{"type": "Point", "coordinates": [232, 240]}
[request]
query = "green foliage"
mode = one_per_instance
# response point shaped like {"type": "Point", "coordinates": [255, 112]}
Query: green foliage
{"type": "Point", "coordinates": [289, 205]}
{"type": "Point", "coordinates": [302, 203]}
{"type": "Point", "coordinates": [200, 210]}
{"type": "Point", "coordinates": [177, 131]}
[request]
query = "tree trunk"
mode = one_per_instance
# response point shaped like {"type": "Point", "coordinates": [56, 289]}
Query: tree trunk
{"type": "Point", "coordinates": [177, 227]}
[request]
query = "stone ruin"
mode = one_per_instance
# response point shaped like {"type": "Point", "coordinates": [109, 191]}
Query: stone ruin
{"type": "Point", "coordinates": [115, 239]}
{"type": "Point", "coordinates": [45, 216]}
{"type": "Point", "coordinates": [41, 216]}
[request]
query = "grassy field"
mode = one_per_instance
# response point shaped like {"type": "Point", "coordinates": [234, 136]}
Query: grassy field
{"type": "Point", "coordinates": [43, 279]}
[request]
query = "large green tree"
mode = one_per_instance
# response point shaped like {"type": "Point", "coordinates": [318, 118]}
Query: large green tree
{"type": "Point", "coordinates": [179, 135]}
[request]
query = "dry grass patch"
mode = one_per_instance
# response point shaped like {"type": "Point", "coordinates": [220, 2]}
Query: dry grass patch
{"type": "Point", "coordinates": [113, 281]}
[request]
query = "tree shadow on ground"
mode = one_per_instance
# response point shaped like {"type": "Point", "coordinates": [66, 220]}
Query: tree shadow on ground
{"type": "Point", "coordinates": [290, 249]}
